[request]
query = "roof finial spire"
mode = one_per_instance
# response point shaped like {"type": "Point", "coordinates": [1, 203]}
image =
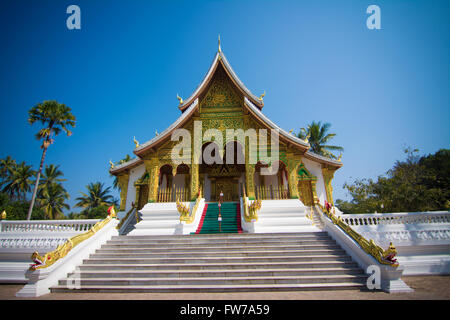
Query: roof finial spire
{"type": "Point", "coordinates": [262, 96]}
{"type": "Point", "coordinates": [219, 44]}
{"type": "Point", "coordinates": [180, 99]}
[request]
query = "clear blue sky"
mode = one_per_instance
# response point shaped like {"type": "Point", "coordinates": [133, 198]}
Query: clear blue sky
{"type": "Point", "coordinates": [380, 89]}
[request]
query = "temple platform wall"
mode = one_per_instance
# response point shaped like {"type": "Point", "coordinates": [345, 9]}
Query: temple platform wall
{"type": "Point", "coordinates": [135, 174]}
{"type": "Point", "coordinates": [316, 170]}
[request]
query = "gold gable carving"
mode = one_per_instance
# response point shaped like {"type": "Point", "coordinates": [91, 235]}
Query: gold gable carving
{"type": "Point", "coordinates": [221, 93]}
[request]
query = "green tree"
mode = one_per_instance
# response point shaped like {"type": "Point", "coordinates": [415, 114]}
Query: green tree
{"type": "Point", "coordinates": [51, 175]}
{"type": "Point", "coordinates": [7, 166]}
{"type": "Point", "coordinates": [17, 209]}
{"type": "Point", "coordinates": [318, 136]}
{"type": "Point", "coordinates": [54, 117]}
{"type": "Point", "coordinates": [97, 196]}
{"type": "Point", "coordinates": [19, 181]}
{"type": "Point", "coordinates": [52, 200]}
{"type": "Point", "coordinates": [415, 184]}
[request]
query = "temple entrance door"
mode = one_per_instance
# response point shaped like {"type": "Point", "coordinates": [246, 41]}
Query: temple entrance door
{"type": "Point", "coordinates": [305, 192]}
{"type": "Point", "coordinates": [143, 196]}
{"type": "Point", "coordinates": [229, 187]}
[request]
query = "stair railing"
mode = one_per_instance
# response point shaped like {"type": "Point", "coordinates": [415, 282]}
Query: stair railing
{"type": "Point", "coordinates": [187, 215]}
{"type": "Point", "coordinates": [127, 219]}
{"type": "Point", "coordinates": [41, 262]}
{"type": "Point", "coordinates": [386, 257]}
{"type": "Point", "coordinates": [250, 210]}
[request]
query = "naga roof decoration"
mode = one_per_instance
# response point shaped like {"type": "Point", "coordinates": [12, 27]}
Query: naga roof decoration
{"type": "Point", "coordinates": [126, 165]}
{"type": "Point", "coordinates": [166, 133]}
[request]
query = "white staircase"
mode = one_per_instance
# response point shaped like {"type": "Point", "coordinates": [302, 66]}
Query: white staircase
{"type": "Point", "coordinates": [284, 216]}
{"type": "Point", "coordinates": [216, 263]}
{"type": "Point", "coordinates": [157, 219]}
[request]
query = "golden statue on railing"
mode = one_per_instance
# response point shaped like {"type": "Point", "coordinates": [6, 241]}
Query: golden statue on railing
{"type": "Point", "coordinates": [62, 250]}
{"type": "Point", "coordinates": [386, 257]}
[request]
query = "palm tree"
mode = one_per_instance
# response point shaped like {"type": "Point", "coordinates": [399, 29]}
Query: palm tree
{"type": "Point", "coordinates": [7, 166]}
{"type": "Point", "coordinates": [95, 197]}
{"type": "Point", "coordinates": [19, 181]}
{"type": "Point", "coordinates": [55, 117]}
{"type": "Point", "coordinates": [52, 199]}
{"type": "Point", "coordinates": [51, 175]}
{"type": "Point", "coordinates": [318, 137]}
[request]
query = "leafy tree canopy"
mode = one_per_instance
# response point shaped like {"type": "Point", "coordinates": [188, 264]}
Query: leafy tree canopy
{"type": "Point", "coordinates": [413, 185]}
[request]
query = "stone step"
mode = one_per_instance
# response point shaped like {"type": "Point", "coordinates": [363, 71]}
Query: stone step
{"type": "Point", "coordinates": [265, 228]}
{"type": "Point", "coordinates": [218, 280]}
{"type": "Point", "coordinates": [224, 266]}
{"type": "Point", "coordinates": [157, 223]}
{"type": "Point", "coordinates": [227, 253]}
{"type": "Point", "coordinates": [212, 273]}
{"type": "Point", "coordinates": [241, 236]}
{"type": "Point", "coordinates": [216, 259]}
{"type": "Point", "coordinates": [161, 213]}
{"type": "Point", "coordinates": [215, 288]}
{"type": "Point", "coordinates": [149, 244]}
{"type": "Point", "coordinates": [208, 248]}
{"type": "Point", "coordinates": [275, 221]}
{"type": "Point", "coordinates": [216, 243]}
{"type": "Point", "coordinates": [218, 239]}
{"type": "Point", "coordinates": [279, 214]}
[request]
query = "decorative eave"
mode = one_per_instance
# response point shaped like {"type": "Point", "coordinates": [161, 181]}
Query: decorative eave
{"type": "Point", "coordinates": [220, 58]}
{"type": "Point", "coordinates": [166, 134]}
{"type": "Point", "coordinates": [336, 164]}
{"type": "Point", "coordinates": [125, 166]}
{"type": "Point", "coordinates": [284, 135]}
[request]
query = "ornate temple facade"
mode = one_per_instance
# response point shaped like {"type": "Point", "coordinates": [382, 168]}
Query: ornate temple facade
{"type": "Point", "coordinates": [222, 102]}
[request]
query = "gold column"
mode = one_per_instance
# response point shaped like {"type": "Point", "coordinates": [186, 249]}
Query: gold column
{"type": "Point", "coordinates": [328, 175]}
{"type": "Point", "coordinates": [194, 182]}
{"type": "Point", "coordinates": [250, 185]}
{"type": "Point", "coordinates": [292, 165]}
{"type": "Point", "coordinates": [313, 187]}
{"type": "Point", "coordinates": [136, 197]}
{"type": "Point", "coordinates": [152, 167]}
{"type": "Point", "coordinates": [123, 185]}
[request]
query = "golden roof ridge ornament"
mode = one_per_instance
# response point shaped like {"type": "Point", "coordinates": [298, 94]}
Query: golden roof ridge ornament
{"type": "Point", "coordinates": [111, 164]}
{"type": "Point", "coordinates": [340, 157]}
{"type": "Point", "coordinates": [180, 99]}
{"type": "Point", "coordinates": [220, 50]}
{"type": "Point", "coordinates": [307, 138]}
{"type": "Point", "coordinates": [135, 142]}
{"type": "Point", "coordinates": [262, 96]}
{"type": "Point", "coordinates": [156, 132]}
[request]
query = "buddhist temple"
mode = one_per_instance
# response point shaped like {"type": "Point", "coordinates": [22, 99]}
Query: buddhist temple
{"type": "Point", "coordinates": [222, 102]}
{"type": "Point", "coordinates": [224, 200]}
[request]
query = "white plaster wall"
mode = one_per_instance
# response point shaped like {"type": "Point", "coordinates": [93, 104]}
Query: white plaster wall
{"type": "Point", "coordinates": [135, 174]}
{"type": "Point", "coordinates": [316, 169]}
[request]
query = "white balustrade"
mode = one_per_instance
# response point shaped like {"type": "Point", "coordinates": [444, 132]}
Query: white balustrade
{"type": "Point", "coordinates": [18, 226]}
{"type": "Point", "coordinates": [369, 219]}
